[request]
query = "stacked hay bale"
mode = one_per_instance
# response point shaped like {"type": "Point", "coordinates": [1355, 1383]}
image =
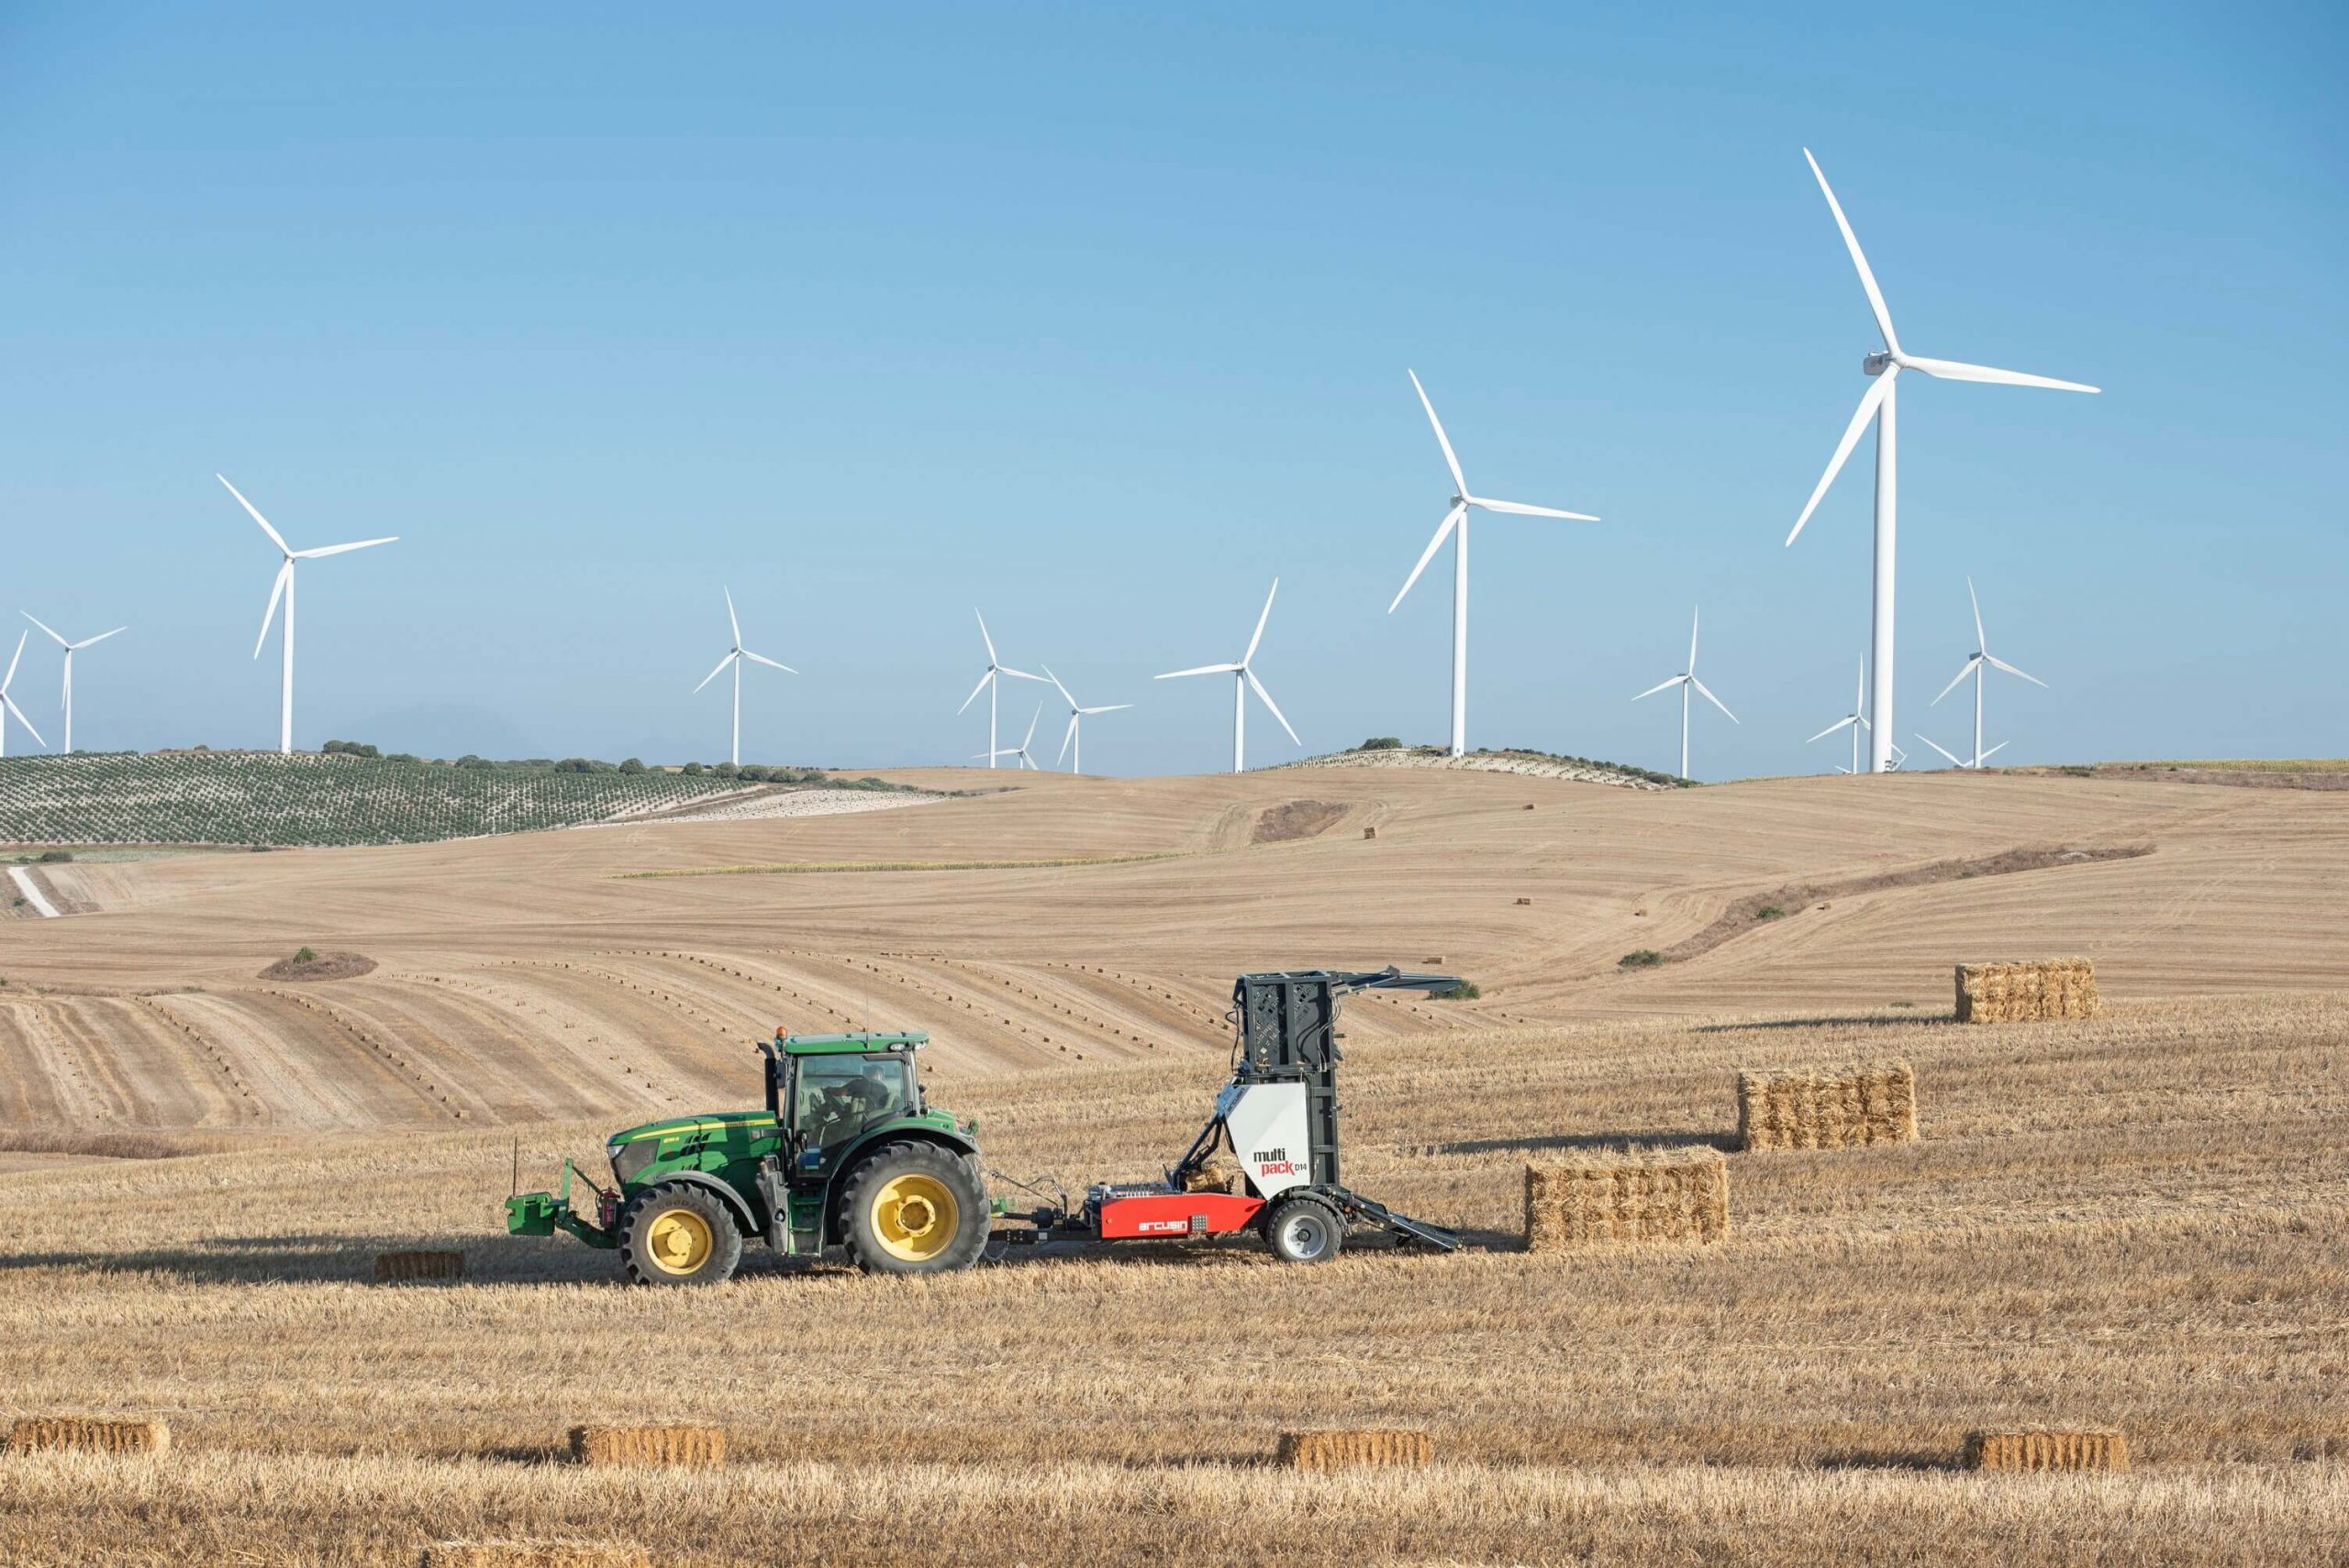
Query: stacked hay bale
{"type": "Point", "coordinates": [89, 1435]}
{"type": "Point", "coordinates": [1212, 1176]}
{"type": "Point", "coordinates": [2024, 993]}
{"type": "Point", "coordinates": [1680, 1196]}
{"type": "Point", "coordinates": [2034, 1448]}
{"type": "Point", "coordinates": [1840, 1108]}
{"type": "Point", "coordinates": [394, 1266]}
{"type": "Point", "coordinates": [648, 1445]}
{"type": "Point", "coordinates": [1349, 1450]}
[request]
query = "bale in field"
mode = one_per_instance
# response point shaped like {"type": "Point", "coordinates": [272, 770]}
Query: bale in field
{"type": "Point", "coordinates": [89, 1435]}
{"type": "Point", "coordinates": [648, 1445]}
{"type": "Point", "coordinates": [2023, 992]}
{"type": "Point", "coordinates": [1840, 1108]}
{"type": "Point", "coordinates": [2084, 1448]}
{"type": "Point", "coordinates": [391, 1266]}
{"type": "Point", "coordinates": [533, 1554]}
{"type": "Point", "coordinates": [1349, 1449]}
{"type": "Point", "coordinates": [1681, 1197]}
{"type": "Point", "coordinates": [1212, 1176]}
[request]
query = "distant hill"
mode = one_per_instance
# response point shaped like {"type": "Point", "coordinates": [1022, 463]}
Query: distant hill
{"type": "Point", "coordinates": [263, 798]}
{"type": "Point", "coordinates": [1533, 764]}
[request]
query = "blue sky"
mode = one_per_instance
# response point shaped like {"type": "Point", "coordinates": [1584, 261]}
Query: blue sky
{"type": "Point", "coordinates": [1098, 318]}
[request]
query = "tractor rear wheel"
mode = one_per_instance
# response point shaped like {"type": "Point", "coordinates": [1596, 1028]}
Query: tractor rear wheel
{"type": "Point", "coordinates": [1304, 1229]}
{"type": "Point", "coordinates": [678, 1233]}
{"type": "Point", "coordinates": [914, 1208]}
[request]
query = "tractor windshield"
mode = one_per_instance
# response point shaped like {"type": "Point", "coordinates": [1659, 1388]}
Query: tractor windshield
{"type": "Point", "coordinates": [839, 1096]}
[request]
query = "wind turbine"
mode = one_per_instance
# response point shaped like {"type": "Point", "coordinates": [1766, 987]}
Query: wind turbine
{"type": "Point", "coordinates": [1878, 404]}
{"type": "Point", "coordinates": [1245, 680]}
{"type": "Point", "coordinates": [70, 650]}
{"type": "Point", "coordinates": [1071, 737]}
{"type": "Point", "coordinates": [1686, 680]}
{"type": "Point", "coordinates": [1021, 750]}
{"type": "Point", "coordinates": [8, 704]}
{"type": "Point", "coordinates": [1455, 523]}
{"type": "Point", "coordinates": [1978, 664]}
{"type": "Point", "coordinates": [990, 684]}
{"type": "Point", "coordinates": [735, 657]}
{"type": "Point", "coordinates": [283, 587]}
{"type": "Point", "coordinates": [1855, 721]}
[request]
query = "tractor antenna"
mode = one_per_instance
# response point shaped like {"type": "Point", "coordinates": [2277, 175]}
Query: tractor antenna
{"type": "Point", "coordinates": [518, 1164]}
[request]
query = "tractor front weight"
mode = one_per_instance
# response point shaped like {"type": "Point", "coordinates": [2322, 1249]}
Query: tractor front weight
{"type": "Point", "coordinates": [544, 1214]}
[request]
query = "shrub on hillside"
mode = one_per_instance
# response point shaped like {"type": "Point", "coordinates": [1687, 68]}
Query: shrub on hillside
{"type": "Point", "coordinates": [692, 769]}
{"type": "Point", "coordinates": [1640, 958]}
{"type": "Point", "coordinates": [1382, 743]}
{"type": "Point", "coordinates": [349, 749]}
{"type": "Point", "coordinates": [632, 765]}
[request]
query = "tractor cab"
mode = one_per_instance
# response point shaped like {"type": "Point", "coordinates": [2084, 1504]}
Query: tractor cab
{"type": "Point", "coordinates": [825, 1090]}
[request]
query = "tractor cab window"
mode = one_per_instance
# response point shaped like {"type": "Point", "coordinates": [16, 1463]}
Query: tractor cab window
{"type": "Point", "coordinates": [840, 1096]}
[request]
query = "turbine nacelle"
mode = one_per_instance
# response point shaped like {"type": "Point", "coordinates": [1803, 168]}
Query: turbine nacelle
{"type": "Point", "coordinates": [1877, 363]}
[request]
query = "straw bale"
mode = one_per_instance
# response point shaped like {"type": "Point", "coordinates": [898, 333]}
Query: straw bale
{"type": "Point", "coordinates": [90, 1435]}
{"type": "Point", "coordinates": [1352, 1448]}
{"type": "Point", "coordinates": [533, 1554]}
{"type": "Point", "coordinates": [390, 1266]}
{"type": "Point", "coordinates": [2083, 1448]}
{"type": "Point", "coordinates": [1830, 1108]}
{"type": "Point", "coordinates": [1212, 1176]}
{"type": "Point", "coordinates": [2027, 992]}
{"type": "Point", "coordinates": [649, 1445]}
{"type": "Point", "coordinates": [1675, 1197]}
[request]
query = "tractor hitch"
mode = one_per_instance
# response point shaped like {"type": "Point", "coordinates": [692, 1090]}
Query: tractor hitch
{"type": "Point", "coordinates": [544, 1214]}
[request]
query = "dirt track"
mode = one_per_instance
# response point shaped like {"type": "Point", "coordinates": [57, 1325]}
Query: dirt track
{"type": "Point", "coordinates": [532, 978]}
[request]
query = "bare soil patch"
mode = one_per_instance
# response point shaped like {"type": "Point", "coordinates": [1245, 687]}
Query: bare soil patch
{"type": "Point", "coordinates": [321, 966]}
{"type": "Point", "coordinates": [1295, 819]}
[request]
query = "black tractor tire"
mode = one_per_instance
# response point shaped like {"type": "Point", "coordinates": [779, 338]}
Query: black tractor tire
{"type": "Point", "coordinates": [914, 1208]}
{"type": "Point", "coordinates": [1304, 1229]}
{"type": "Point", "coordinates": [679, 1233]}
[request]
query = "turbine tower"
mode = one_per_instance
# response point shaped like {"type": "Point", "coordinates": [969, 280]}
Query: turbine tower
{"type": "Point", "coordinates": [1856, 721]}
{"type": "Point", "coordinates": [990, 684]}
{"type": "Point", "coordinates": [70, 650]}
{"type": "Point", "coordinates": [1978, 664]}
{"type": "Point", "coordinates": [1243, 681]}
{"type": "Point", "coordinates": [283, 587]}
{"type": "Point", "coordinates": [1455, 525]}
{"type": "Point", "coordinates": [1019, 752]}
{"type": "Point", "coordinates": [1071, 737]}
{"type": "Point", "coordinates": [1878, 404]}
{"type": "Point", "coordinates": [735, 657]}
{"type": "Point", "coordinates": [1686, 680]}
{"type": "Point", "coordinates": [8, 704]}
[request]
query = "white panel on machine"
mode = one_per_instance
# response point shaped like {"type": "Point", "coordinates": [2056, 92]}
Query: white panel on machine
{"type": "Point", "coordinates": [1267, 1126]}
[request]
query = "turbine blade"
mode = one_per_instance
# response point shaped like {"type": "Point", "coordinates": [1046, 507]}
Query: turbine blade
{"type": "Point", "coordinates": [28, 723]}
{"type": "Point", "coordinates": [342, 549]}
{"type": "Point", "coordinates": [1442, 532]}
{"type": "Point", "coordinates": [1063, 690]}
{"type": "Point", "coordinates": [1031, 728]}
{"type": "Point", "coordinates": [276, 590]}
{"type": "Point", "coordinates": [1257, 687]}
{"type": "Point", "coordinates": [1113, 708]}
{"type": "Point", "coordinates": [2013, 670]}
{"type": "Point", "coordinates": [1852, 243]}
{"type": "Point", "coordinates": [1442, 440]}
{"type": "Point", "coordinates": [1981, 638]}
{"type": "Point", "coordinates": [45, 627]}
{"type": "Point", "coordinates": [1692, 642]}
{"type": "Point", "coordinates": [1661, 687]}
{"type": "Point", "coordinates": [1964, 671]}
{"type": "Point", "coordinates": [985, 638]}
{"type": "Point", "coordinates": [1839, 723]}
{"type": "Point", "coordinates": [1995, 751]}
{"type": "Point", "coordinates": [1519, 509]}
{"type": "Point", "coordinates": [1202, 670]}
{"type": "Point", "coordinates": [1870, 401]}
{"type": "Point", "coordinates": [274, 536]}
{"type": "Point", "coordinates": [976, 690]}
{"type": "Point", "coordinates": [1260, 619]}
{"type": "Point", "coordinates": [1066, 736]}
{"type": "Point", "coordinates": [762, 659]}
{"type": "Point", "coordinates": [100, 637]}
{"type": "Point", "coordinates": [1708, 695]}
{"type": "Point", "coordinates": [1008, 669]}
{"type": "Point", "coordinates": [719, 670]}
{"type": "Point", "coordinates": [1957, 370]}
{"type": "Point", "coordinates": [14, 659]}
{"type": "Point", "coordinates": [731, 618]}
{"type": "Point", "coordinates": [1937, 746]}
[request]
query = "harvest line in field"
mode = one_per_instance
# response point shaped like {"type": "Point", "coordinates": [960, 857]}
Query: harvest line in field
{"type": "Point", "coordinates": [790, 868]}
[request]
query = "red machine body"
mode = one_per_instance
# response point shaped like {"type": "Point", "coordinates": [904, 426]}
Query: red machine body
{"type": "Point", "coordinates": [1127, 1216]}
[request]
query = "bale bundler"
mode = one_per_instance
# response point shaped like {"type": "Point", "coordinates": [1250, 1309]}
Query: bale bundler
{"type": "Point", "coordinates": [2084, 1448]}
{"type": "Point", "coordinates": [648, 1445]}
{"type": "Point", "coordinates": [1349, 1450]}
{"type": "Point", "coordinates": [2024, 993]}
{"type": "Point", "coordinates": [1837, 1108]}
{"type": "Point", "coordinates": [395, 1266]}
{"type": "Point", "coordinates": [1678, 1197]}
{"type": "Point", "coordinates": [89, 1435]}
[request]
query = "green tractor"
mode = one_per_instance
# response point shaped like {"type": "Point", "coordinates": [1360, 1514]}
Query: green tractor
{"type": "Point", "coordinates": [846, 1154]}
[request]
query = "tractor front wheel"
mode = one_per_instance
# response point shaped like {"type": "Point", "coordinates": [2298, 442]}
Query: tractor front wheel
{"type": "Point", "coordinates": [678, 1233]}
{"type": "Point", "coordinates": [1304, 1229]}
{"type": "Point", "coordinates": [914, 1208]}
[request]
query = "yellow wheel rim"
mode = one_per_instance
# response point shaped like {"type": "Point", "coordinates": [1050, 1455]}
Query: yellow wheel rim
{"type": "Point", "coordinates": [916, 1218]}
{"type": "Point", "coordinates": [678, 1241]}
